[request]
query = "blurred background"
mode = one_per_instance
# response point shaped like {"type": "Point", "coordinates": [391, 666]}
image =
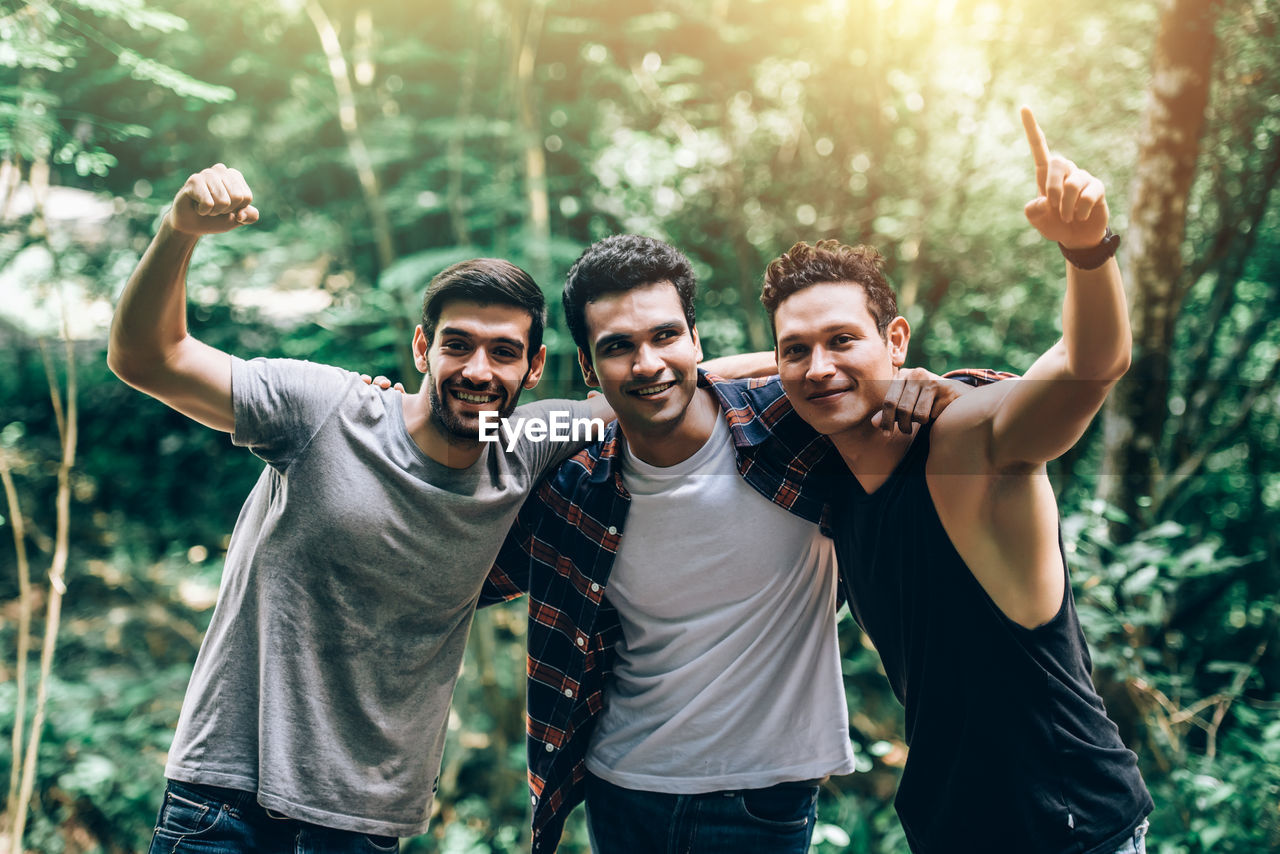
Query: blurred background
{"type": "Point", "coordinates": [386, 140]}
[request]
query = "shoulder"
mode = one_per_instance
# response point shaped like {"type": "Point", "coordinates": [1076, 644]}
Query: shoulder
{"type": "Point", "coordinates": [963, 436]}
{"type": "Point", "coordinates": [284, 371]}
{"type": "Point", "coordinates": [754, 392]}
{"type": "Point", "coordinates": [756, 408]}
{"type": "Point", "coordinates": [559, 408]}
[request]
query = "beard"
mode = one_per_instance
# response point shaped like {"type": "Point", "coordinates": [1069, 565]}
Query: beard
{"type": "Point", "coordinates": [466, 428]}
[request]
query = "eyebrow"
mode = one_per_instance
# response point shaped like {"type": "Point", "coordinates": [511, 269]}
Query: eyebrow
{"type": "Point", "coordinates": [462, 333]}
{"type": "Point", "coordinates": [622, 336]}
{"type": "Point", "coordinates": [795, 337]}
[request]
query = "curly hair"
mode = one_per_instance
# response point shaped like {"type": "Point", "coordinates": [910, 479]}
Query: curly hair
{"type": "Point", "coordinates": [803, 266]}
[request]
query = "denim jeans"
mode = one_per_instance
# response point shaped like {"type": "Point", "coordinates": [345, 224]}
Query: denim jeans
{"type": "Point", "coordinates": [776, 820]}
{"type": "Point", "coordinates": [198, 819]}
{"type": "Point", "coordinates": [1138, 843]}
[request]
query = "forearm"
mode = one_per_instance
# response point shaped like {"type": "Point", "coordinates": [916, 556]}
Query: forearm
{"type": "Point", "coordinates": [743, 365]}
{"type": "Point", "coordinates": [150, 321]}
{"type": "Point", "coordinates": [1095, 323]}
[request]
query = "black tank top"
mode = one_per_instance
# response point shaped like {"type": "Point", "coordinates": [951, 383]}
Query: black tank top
{"type": "Point", "coordinates": [1010, 747]}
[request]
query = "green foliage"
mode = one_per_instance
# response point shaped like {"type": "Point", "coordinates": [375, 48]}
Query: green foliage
{"type": "Point", "coordinates": [731, 129]}
{"type": "Point", "coordinates": [1184, 652]}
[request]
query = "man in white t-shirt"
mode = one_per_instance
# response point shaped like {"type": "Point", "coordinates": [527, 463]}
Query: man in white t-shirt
{"type": "Point", "coordinates": [316, 713]}
{"type": "Point", "coordinates": [684, 673]}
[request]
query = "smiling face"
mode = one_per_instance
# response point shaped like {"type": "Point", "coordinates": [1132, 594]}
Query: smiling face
{"type": "Point", "coordinates": [834, 364]}
{"type": "Point", "coordinates": [644, 357]}
{"type": "Point", "coordinates": [478, 361]}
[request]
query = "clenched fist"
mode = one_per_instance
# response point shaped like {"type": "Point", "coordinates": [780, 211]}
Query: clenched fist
{"type": "Point", "coordinates": [212, 201]}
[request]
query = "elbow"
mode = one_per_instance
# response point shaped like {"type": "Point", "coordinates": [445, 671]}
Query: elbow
{"type": "Point", "coordinates": [1120, 363]}
{"type": "Point", "coordinates": [1123, 364]}
{"type": "Point", "coordinates": [131, 364]}
{"type": "Point", "coordinates": [125, 366]}
{"type": "Point", "coordinates": [1103, 368]}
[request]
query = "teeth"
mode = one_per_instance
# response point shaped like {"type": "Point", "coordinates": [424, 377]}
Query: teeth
{"type": "Point", "coordinates": [653, 389]}
{"type": "Point", "coordinates": [475, 398]}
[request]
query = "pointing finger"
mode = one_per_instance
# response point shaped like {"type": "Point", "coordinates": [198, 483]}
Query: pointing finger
{"type": "Point", "coordinates": [1039, 146]}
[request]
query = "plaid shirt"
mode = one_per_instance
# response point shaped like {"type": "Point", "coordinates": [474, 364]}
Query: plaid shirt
{"type": "Point", "coordinates": [561, 549]}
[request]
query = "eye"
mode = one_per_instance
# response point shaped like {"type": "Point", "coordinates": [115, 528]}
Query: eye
{"type": "Point", "coordinates": [508, 354]}
{"type": "Point", "coordinates": [666, 335]}
{"type": "Point", "coordinates": [454, 345]}
{"type": "Point", "coordinates": [843, 340]}
{"type": "Point", "coordinates": [793, 351]}
{"type": "Point", "coordinates": [615, 347]}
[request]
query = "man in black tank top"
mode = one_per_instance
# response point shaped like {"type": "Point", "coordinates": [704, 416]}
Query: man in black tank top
{"type": "Point", "coordinates": [949, 542]}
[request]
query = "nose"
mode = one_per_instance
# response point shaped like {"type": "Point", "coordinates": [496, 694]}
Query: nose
{"type": "Point", "coordinates": [646, 362]}
{"type": "Point", "coordinates": [820, 366]}
{"type": "Point", "coordinates": [478, 370]}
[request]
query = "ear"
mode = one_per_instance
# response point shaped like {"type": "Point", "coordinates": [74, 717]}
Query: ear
{"type": "Point", "coordinates": [697, 344]}
{"type": "Point", "coordinates": [898, 336]}
{"type": "Point", "coordinates": [588, 372]}
{"type": "Point", "coordinates": [536, 364]}
{"type": "Point", "coordinates": [420, 347]}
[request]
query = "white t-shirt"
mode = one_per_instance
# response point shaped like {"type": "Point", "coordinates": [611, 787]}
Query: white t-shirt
{"type": "Point", "coordinates": [728, 673]}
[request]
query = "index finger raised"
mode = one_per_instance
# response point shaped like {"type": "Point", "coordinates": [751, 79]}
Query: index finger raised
{"type": "Point", "coordinates": [1039, 145]}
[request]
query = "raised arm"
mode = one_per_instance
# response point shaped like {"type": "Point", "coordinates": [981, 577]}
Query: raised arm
{"type": "Point", "coordinates": [149, 347]}
{"type": "Point", "coordinates": [1044, 414]}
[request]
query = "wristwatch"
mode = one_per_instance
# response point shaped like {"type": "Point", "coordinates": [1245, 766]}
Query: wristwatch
{"type": "Point", "coordinates": [1095, 257]}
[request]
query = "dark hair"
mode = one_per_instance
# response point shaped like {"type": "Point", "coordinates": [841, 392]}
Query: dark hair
{"type": "Point", "coordinates": [487, 281]}
{"type": "Point", "coordinates": [803, 265]}
{"type": "Point", "coordinates": [620, 263]}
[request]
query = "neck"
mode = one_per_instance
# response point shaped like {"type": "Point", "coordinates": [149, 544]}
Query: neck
{"type": "Point", "coordinates": [435, 441]}
{"type": "Point", "coordinates": [871, 453]}
{"type": "Point", "coordinates": [674, 443]}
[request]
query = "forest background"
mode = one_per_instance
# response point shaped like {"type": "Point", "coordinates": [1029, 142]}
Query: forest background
{"type": "Point", "coordinates": [385, 140]}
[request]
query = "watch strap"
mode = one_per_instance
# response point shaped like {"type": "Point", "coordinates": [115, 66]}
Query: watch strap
{"type": "Point", "coordinates": [1093, 257]}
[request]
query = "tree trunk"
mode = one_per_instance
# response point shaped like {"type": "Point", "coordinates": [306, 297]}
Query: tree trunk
{"type": "Point", "coordinates": [534, 157]}
{"type": "Point", "coordinates": [1170, 146]}
{"type": "Point", "coordinates": [383, 239]}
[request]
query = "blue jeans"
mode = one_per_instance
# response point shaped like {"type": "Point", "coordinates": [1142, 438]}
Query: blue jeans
{"type": "Point", "coordinates": [198, 819]}
{"type": "Point", "coordinates": [776, 820]}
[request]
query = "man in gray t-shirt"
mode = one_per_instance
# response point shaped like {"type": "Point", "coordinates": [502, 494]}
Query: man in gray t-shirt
{"type": "Point", "coordinates": [316, 713]}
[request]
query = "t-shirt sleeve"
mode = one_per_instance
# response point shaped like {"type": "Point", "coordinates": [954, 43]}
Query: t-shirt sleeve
{"type": "Point", "coordinates": [279, 404]}
{"type": "Point", "coordinates": [569, 429]}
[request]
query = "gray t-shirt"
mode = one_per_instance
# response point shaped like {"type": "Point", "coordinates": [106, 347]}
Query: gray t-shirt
{"type": "Point", "coordinates": [324, 680]}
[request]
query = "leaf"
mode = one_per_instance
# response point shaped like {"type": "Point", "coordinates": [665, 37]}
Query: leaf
{"type": "Point", "coordinates": [174, 80]}
{"type": "Point", "coordinates": [1141, 580]}
{"type": "Point", "coordinates": [135, 14]}
{"type": "Point", "coordinates": [411, 274]}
